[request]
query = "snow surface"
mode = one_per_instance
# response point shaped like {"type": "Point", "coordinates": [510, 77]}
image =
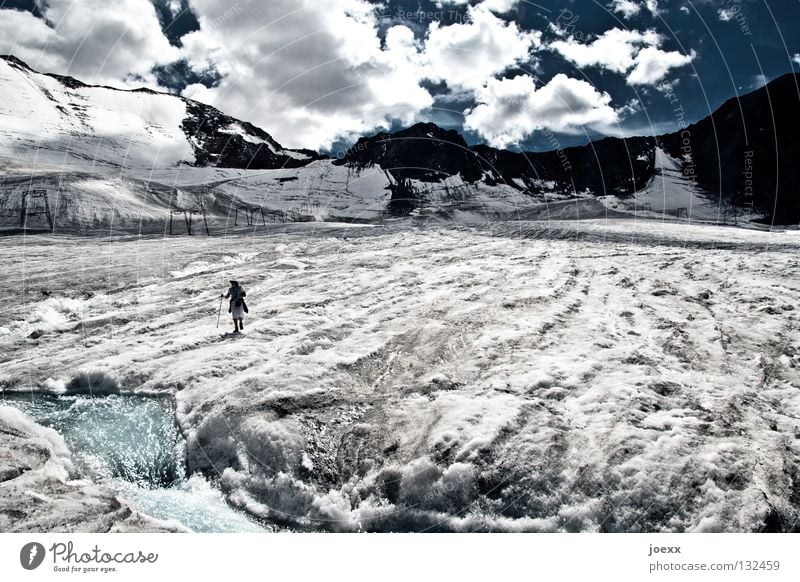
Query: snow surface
{"type": "Point", "coordinates": [140, 200]}
{"type": "Point", "coordinates": [520, 376]}
{"type": "Point", "coordinates": [47, 125]}
{"type": "Point", "coordinates": [672, 195]}
{"type": "Point", "coordinates": [44, 122]}
{"type": "Point", "coordinates": [670, 190]}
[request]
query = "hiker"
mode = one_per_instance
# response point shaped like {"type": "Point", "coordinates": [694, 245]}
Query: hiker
{"type": "Point", "coordinates": [237, 307]}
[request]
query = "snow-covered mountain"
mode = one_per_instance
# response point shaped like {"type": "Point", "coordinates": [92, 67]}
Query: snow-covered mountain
{"type": "Point", "coordinates": [111, 158]}
{"type": "Point", "coordinates": [740, 160]}
{"type": "Point", "coordinates": [60, 121]}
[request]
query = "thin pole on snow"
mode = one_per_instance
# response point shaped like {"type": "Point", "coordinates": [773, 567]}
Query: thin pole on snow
{"type": "Point", "coordinates": [219, 315]}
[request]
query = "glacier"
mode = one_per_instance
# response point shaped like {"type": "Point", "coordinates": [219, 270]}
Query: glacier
{"type": "Point", "coordinates": [593, 375]}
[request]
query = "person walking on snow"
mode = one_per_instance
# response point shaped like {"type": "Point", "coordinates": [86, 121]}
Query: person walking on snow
{"type": "Point", "coordinates": [237, 307]}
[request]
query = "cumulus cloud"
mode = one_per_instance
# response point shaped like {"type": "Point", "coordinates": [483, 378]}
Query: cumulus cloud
{"type": "Point", "coordinates": [306, 74]}
{"type": "Point", "coordinates": [653, 64]}
{"type": "Point", "coordinates": [465, 55]}
{"type": "Point", "coordinates": [509, 110]}
{"type": "Point", "coordinates": [627, 8]}
{"type": "Point", "coordinates": [174, 7]}
{"type": "Point", "coordinates": [97, 42]}
{"type": "Point", "coordinates": [499, 6]}
{"type": "Point", "coordinates": [652, 6]}
{"type": "Point", "coordinates": [614, 50]}
{"type": "Point", "coordinates": [630, 8]}
{"type": "Point", "coordinates": [624, 51]}
{"type": "Point", "coordinates": [796, 58]}
{"type": "Point", "coordinates": [311, 76]}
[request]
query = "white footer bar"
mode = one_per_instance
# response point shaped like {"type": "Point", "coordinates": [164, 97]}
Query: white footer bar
{"type": "Point", "coordinates": [406, 557]}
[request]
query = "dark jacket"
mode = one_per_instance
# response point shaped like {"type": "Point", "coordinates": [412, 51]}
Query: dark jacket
{"type": "Point", "coordinates": [236, 294]}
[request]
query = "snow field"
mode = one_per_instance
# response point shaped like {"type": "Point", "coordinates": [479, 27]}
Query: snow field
{"type": "Point", "coordinates": [414, 379]}
{"type": "Point", "coordinates": [44, 122]}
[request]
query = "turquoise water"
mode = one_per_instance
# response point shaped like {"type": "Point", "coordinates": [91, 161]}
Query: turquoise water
{"type": "Point", "coordinates": [131, 444]}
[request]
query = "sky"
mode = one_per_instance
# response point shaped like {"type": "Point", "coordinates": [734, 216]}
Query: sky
{"type": "Point", "coordinates": [510, 73]}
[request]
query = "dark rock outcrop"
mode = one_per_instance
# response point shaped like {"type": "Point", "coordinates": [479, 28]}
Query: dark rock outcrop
{"type": "Point", "coordinates": [217, 143]}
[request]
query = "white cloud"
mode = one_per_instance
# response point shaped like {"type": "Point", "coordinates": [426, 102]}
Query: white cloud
{"type": "Point", "coordinates": [310, 76]}
{"type": "Point", "coordinates": [614, 50]}
{"type": "Point", "coordinates": [466, 55]}
{"type": "Point", "coordinates": [796, 58]}
{"type": "Point", "coordinates": [96, 42]}
{"type": "Point", "coordinates": [305, 74]}
{"type": "Point", "coordinates": [630, 8]}
{"type": "Point", "coordinates": [624, 51]}
{"type": "Point", "coordinates": [632, 107]}
{"type": "Point", "coordinates": [627, 8]}
{"type": "Point", "coordinates": [175, 7]}
{"type": "Point", "coordinates": [509, 110]}
{"type": "Point", "coordinates": [653, 64]}
{"type": "Point", "coordinates": [499, 6]}
{"type": "Point", "coordinates": [727, 14]}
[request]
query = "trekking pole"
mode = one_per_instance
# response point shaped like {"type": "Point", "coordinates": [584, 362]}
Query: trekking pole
{"type": "Point", "coordinates": [220, 310]}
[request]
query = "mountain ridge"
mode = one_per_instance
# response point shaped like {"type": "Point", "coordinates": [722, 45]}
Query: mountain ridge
{"type": "Point", "coordinates": [741, 156]}
{"type": "Point", "coordinates": [624, 166]}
